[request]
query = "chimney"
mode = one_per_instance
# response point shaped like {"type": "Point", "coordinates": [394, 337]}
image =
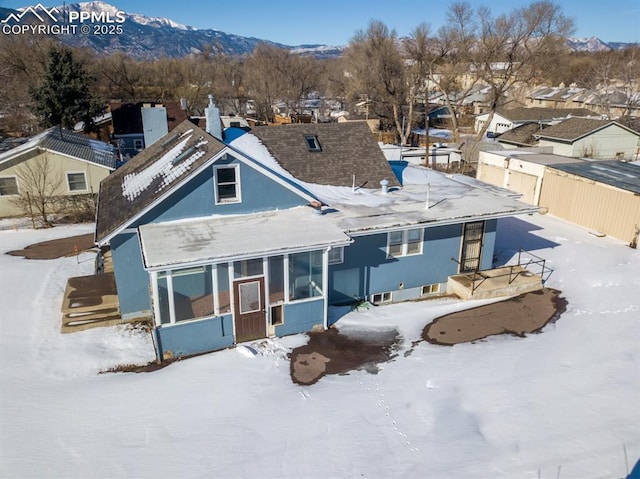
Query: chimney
{"type": "Point", "coordinates": [212, 115]}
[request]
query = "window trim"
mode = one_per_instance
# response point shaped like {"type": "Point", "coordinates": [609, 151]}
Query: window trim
{"type": "Point", "coordinates": [15, 178]}
{"type": "Point", "coordinates": [169, 275]}
{"type": "Point", "coordinates": [385, 297]}
{"type": "Point", "coordinates": [238, 197]}
{"type": "Point", "coordinates": [340, 258]}
{"type": "Point", "coordinates": [430, 289]}
{"type": "Point", "coordinates": [405, 243]}
{"type": "Point", "coordinates": [86, 184]}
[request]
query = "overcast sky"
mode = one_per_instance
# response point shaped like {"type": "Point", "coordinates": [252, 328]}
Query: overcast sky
{"type": "Point", "coordinates": [334, 22]}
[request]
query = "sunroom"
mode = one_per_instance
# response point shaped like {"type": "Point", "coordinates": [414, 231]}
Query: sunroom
{"type": "Point", "coordinates": [227, 279]}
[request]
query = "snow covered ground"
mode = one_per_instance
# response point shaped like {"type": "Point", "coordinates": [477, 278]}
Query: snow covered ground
{"type": "Point", "coordinates": [564, 403]}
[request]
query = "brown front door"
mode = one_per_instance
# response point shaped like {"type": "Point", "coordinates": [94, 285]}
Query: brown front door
{"type": "Point", "coordinates": [249, 311]}
{"type": "Point", "coordinates": [471, 246]}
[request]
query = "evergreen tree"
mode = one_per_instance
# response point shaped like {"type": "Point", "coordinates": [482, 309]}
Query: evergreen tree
{"type": "Point", "coordinates": [64, 97]}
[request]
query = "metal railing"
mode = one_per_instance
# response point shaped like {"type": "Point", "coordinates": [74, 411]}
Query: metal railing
{"type": "Point", "coordinates": [523, 266]}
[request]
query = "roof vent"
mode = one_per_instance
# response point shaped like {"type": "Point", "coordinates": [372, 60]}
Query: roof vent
{"type": "Point", "coordinates": [384, 185]}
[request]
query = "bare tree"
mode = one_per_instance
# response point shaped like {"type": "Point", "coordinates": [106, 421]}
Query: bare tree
{"type": "Point", "coordinates": [449, 69]}
{"type": "Point", "coordinates": [40, 185]}
{"type": "Point", "coordinates": [264, 78]}
{"type": "Point", "coordinates": [418, 60]}
{"type": "Point", "coordinates": [123, 77]}
{"type": "Point", "coordinates": [513, 48]}
{"type": "Point", "coordinates": [377, 70]}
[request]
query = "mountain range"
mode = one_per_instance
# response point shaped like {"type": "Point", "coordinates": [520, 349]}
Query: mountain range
{"type": "Point", "coordinates": [149, 38]}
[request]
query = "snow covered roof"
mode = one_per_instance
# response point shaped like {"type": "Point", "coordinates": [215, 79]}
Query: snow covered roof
{"type": "Point", "coordinates": [451, 198]}
{"type": "Point", "coordinates": [227, 237]}
{"type": "Point", "coordinates": [152, 173]}
{"type": "Point", "coordinates": [67, 143]}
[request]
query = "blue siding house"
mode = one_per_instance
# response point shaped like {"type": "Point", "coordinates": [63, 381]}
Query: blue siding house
{"type": "Point", "coordinates": [219, 243]}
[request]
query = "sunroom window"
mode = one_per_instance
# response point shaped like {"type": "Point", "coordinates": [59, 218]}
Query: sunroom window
{"type": "Point", "coordinates": [305, 275]}
{"type": "Point", "coordinates": [185, 294]}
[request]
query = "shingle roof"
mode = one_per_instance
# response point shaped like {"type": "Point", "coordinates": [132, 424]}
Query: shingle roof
{"type": "Point", "coordinates": [536, 114]}
{"type": "Point", "coordinates": [347, 149]}
{"type": "Point", "coordinates": [573, 129]}
{"type": "Point", "coordinates": [150, 174]}
{"type": "Point", "coordinates": [69, 143]}
{"type": "Point", "coordinates": [522, 135]}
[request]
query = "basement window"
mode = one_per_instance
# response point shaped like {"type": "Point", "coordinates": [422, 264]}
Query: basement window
{"type": "Point", "coordinates": [428, 289]}
{"type": "Point", "coordinates": [312, 143]}
{"type": "Point", "coordinates": [379, 298]}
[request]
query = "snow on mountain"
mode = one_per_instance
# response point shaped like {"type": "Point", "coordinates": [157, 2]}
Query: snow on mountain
{"type": "Point", "coordinates": [592, 44]}
{"type": "Point", "coordinates": [145, 37]}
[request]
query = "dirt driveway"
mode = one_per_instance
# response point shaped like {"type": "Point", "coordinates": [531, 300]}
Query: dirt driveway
{"type": "Point", "coordinates": [331, 352]}
{"type": "Point", "coordinates": [56, 248]}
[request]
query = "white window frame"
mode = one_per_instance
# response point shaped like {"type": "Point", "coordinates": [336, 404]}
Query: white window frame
{"type": "Point", "coordinates": [169, 274]}
{"type": "Point", "coordinates": [405, 243]}
{"type": "Point", "coordinates": [337, 251]}
{"type": "Point", "coordinates": [17, 185]}
{"type": "Point", "coordinates": [429, 289]}
{"type": "Point", "coordinates": [385, 297]}
{"type": "Point", "coordinates": [238, 198]}
{"type": "Point", "coordinates": [86, 184]}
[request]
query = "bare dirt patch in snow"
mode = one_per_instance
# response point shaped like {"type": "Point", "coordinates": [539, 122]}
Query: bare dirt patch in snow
{"type": "Point", "coordinates": [527, 313]}
{"type": "Point", "coordinates": [57, 248]}
{"type": "Point", "coordinates": [332, 352]}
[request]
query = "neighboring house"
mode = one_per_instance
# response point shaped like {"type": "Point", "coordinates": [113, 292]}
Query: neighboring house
{"type": "Point", "coordinates": [506, 119]}
{"type": "Point", "coordinates": [603, 196]}
{"type": "Point", "coordinates": [521, 136]}
{"type": "Point", "coordinates": [136, 126]}
{"type": "Point", "coordinates": [224, 243]}
{"type": "Point", "coordinates": [73, 164]}
{"type": "Point", "coordinates": [553, 97]}
{"type": "Point", "coordinates": [612, 101]}
{"type": "Point", "coordinates": [588, 138]}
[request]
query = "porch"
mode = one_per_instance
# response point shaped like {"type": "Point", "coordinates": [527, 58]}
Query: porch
{"type": "Point", "coordinates": [509, 280]}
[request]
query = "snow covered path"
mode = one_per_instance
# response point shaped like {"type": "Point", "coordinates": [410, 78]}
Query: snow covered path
{"type": "Point", "coordinates": [501, 408]}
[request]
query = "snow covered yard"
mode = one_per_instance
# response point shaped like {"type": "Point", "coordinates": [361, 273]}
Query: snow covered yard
{"type": "Point", "coordinates": [563, 402]}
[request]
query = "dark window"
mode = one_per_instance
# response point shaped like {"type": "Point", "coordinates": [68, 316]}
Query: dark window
{"type": "Point", "coordinates": [8, 186]}
{"type": "Point", "coordinates": [227, 190]}
{"type": "Point", "coordinates": [312, 143]}
{"type": "Point", "coordinates": [77, 182]}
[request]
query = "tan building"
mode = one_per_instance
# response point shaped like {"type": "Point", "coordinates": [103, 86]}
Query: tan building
{"type": "Point", "coordinates": [603, 196]}
{"type": "Point", "coordinates": [57, 163]}
{"type": "Point", "coordinates": [588, 138]}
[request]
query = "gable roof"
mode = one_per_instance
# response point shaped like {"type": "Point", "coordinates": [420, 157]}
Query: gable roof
{"type": "Point", "coordinates": [346, 150]}
{"type": "Point", "coordinates": [522, 135]}
{"type": "Point", "coordinates": [67, 143]}
{"type": "Point", "coordinates": [537, 114]}
{"type": "Point", "coordinates": [151, 174]}
{"type": "Point", "coordinates": [573, 129]}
